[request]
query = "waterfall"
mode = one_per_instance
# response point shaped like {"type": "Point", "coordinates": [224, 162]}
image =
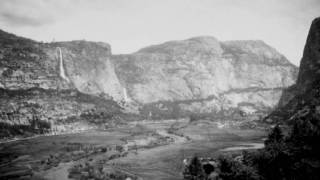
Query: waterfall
{"type": "Point", "coordinates": [62, 73]}
{"type": "Point", "coordinates": [125, 95]}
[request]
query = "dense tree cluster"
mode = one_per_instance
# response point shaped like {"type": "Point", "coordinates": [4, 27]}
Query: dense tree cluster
{"type": "Point", "coordinates": [291, 153]}
{"type": "Point", "coordinates": [292, 156]}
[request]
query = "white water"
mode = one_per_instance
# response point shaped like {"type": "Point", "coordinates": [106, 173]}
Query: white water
{"type": "Point", "coordinates": [62, 72]}
{"type": "Point", "coordinates": [125, 95]}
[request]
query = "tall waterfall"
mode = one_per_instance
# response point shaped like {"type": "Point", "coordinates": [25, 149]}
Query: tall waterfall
{"type": "Point", "coordinates": [62, 73]}
{"type": "Point", "coordinates": [125, 95]}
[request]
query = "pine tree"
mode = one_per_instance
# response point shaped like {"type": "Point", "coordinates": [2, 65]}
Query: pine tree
{"type": "Point", "coordinates": [195, 169]}
{"type": "Point", "coordinates": [276, 136]}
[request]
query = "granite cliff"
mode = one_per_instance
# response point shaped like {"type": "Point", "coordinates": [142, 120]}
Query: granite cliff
{"type": "Point", "coordinates": [303, 96]}
{"type": "Point", "coordinates": [80, 65]}
{"type": "Point", "coordinates": [59, 81]}
{"type": "Point", "coordinates": [54, 85]}
{"type": "Point", "coordinates": [204, 76]}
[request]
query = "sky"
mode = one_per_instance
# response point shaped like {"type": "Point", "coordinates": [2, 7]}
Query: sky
{"type": "Point", "coordinates": [128, 25]}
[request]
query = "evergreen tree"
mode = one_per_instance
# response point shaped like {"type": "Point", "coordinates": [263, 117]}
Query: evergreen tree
{"type": "Point", "coordinates": [195, 169]}
{"type": "Point", "coordinates": [276, 136]}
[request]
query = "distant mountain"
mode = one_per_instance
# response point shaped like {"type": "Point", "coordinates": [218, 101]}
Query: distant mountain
{"type": "Point", "coordinates": [203, 75]}
{"type": "Point", "coordinates": [59, 81]}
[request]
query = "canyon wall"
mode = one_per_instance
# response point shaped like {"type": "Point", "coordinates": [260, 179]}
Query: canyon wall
{"type": "Point", "coordinates": [304, 96]}
{"type": "Point", "coordinates": [203, 75]}
{"type": "Point", "coordinates": [57, 81]}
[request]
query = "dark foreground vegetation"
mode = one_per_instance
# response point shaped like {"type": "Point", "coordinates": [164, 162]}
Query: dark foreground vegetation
{"type": "Point", "coordinates": [290, 153]}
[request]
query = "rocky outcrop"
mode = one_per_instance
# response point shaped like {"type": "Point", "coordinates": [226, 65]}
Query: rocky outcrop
{"type": "Point", "coordinates": [305, 93]}
{"type": "Point", "coordinates": [203, 75]}
{"type": "Point", "coordinates": [310, 63]}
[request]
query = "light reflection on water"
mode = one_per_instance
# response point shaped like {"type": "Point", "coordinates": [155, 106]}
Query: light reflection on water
{"type": "Point", "coordinates": [244, 147]}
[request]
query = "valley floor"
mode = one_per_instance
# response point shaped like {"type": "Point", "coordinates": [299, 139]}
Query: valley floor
{"type": "Point", "coordinates": [139, 150]}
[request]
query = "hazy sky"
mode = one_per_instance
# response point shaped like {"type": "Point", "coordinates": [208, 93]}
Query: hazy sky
{"type": "Point", "coordinates": [129, 25]}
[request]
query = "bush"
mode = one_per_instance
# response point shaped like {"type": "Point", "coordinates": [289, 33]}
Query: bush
{"type": "Point", "coordinates": [275, 136]}
{"type": "Point", "coordinates": [234, 170]}
{"type": "Point", "coordinates": [194, 171]}
{"type": "Point", "coordinates": [194, 117]}
{"type": "Point", "coordinates": [44, 124]}
{"type": "Point", "coordinates": [293, 157]}
{"type": "Point", "coordinates": [11, 130]}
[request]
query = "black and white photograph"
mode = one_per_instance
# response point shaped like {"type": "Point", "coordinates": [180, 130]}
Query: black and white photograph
{"type": "Point", "coordinates": [159, 89]}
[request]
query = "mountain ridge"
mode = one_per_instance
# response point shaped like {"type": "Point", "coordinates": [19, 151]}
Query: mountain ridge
{"type": "Point", "coordinates": [180, 66]}
{"type": "Point", "coordinates": [199, 75]}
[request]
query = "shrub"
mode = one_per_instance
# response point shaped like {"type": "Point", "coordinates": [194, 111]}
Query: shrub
{"type": "Point", "coordinates": [194, 117]}
{"type": "Point", "coordinates": [275, 136]}
{"type": "Point", "coordinates": [234, 170]}
{"type": "Point", "coordinates": [293, 157]}
{"type": "Point", "coordinates": [194, 171]}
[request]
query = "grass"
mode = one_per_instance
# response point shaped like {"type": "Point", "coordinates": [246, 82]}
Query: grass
{"type": "Point", "coordinates": [162, 161]}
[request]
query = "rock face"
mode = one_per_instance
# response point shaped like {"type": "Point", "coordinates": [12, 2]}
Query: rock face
{"type": "Point", "coordinates": [203, 75]}
{"type": "Point", "coordinates": [88, 67]}
{"type": "Point", "coordinates": [80, 65]}
{"type": "Point", "coordinates": [304, 95]}
{"type": "Point", "coordinates": [54, 82]}
{"type": "Point", "coordinates": [310, 64]}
